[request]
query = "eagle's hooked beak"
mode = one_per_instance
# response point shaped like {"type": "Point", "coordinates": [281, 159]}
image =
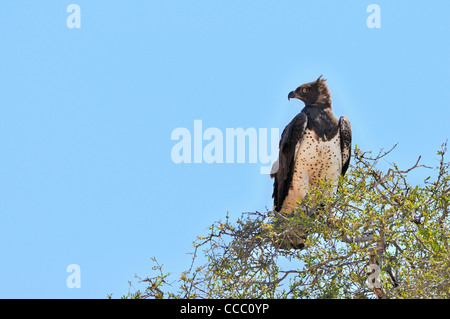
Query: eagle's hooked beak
{"type": "Point", "coordinates": [291, 95]}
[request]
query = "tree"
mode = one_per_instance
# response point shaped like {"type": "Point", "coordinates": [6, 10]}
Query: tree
{"type": "Point", "coordinates": [377, 237]}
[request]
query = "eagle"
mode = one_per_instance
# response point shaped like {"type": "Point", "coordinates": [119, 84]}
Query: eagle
{"type": "Point", "coordinates": [314, 146]}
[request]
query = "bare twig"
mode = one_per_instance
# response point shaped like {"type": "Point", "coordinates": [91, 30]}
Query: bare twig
{"type": "Point", "coordinates": [350, 240]}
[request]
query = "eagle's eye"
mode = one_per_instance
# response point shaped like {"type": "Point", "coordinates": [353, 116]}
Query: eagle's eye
{"type": "Point", "coordinates": [305, 90]}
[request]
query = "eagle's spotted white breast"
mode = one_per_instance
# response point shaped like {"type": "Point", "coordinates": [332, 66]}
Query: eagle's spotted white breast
{"type": "Point", "coordinates": [315, 160]}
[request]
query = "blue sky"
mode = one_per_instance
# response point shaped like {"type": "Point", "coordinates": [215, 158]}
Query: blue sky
{"type": "Point", "coordinates": [86, 117]}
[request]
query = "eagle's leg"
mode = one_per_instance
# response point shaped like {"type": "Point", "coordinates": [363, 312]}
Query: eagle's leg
{"type": "Point", "coordinates": [295, 236]}
{"type": "Point", "coordinates": [292, 235]}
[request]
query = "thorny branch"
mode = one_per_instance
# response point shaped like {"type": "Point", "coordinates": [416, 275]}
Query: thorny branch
{"type": "Point", "coordinates": [372, 220]}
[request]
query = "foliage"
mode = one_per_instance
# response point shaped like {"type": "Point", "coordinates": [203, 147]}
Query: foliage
{"type": "Point", "coordinates": [375, 219]}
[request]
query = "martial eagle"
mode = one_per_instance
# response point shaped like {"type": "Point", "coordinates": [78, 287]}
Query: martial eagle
{"type": "Point", "coordinates": [314, 146]}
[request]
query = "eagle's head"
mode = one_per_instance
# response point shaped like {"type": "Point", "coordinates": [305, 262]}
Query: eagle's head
{"type": "Point", "coordinates": [312, 93]}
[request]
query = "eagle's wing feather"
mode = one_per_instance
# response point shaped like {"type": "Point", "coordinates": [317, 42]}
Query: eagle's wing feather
{"type": "Point", "coordinates": [292, 134]}
{"type": "Point", "coordinates": [345, 132]}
